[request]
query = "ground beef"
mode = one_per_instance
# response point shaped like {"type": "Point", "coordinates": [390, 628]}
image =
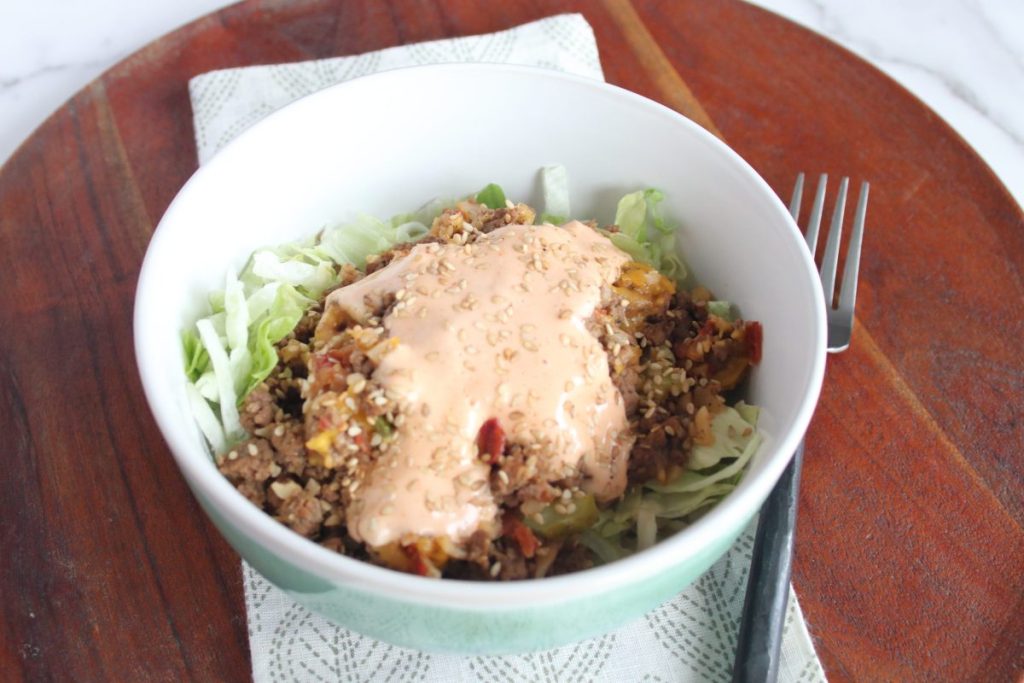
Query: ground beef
{"type": "Point", "coordinates": [257, 409]}
{"type": "Point", "coordinates": [381, 260]}
{"type": "Point", "coordinates": [249, 466]}
{"type": "Point", "coordinates": [520, 214]}
{"type": "Point", "coordinates": [508, 563]}
{"type": "Point", "coordinates": [460, 223]}
{"type": "Point", "coordinates": [572, 557]}
{"type": "Point", "coordinates": [288, 440]}
{"type": "Point", "coordinates": [302, 513]}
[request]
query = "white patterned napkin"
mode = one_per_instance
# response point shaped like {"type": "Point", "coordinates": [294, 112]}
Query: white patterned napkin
{"type": "Point", "coordinates": [690, 638]}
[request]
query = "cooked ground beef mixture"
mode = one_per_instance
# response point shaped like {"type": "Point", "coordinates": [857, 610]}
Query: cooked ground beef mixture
{"type": "Point", "coordinates": [330, 453]}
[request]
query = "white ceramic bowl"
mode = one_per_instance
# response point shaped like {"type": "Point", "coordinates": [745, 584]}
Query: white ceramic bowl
{"type": "Point", "coordinates": [389, 142]}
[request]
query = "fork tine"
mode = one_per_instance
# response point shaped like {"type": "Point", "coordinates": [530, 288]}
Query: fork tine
{"type": "Point", "coordinates": [814, 221]}
{"type": "Point", "coordinates": [830, 259]}
{"type": "Point", "coordinates": [848, 290]}
{"type": "Point", "coordinates": [798, 195]}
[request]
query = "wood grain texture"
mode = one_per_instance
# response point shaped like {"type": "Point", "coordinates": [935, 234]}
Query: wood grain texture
{"type": "Point", "coordinates": [910, 550]}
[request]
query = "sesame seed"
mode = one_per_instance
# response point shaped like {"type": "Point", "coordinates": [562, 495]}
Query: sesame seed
{"type": "Point", "coordinates": [252, 449]}
{"type": "Point", "coordinates": [495, 569]}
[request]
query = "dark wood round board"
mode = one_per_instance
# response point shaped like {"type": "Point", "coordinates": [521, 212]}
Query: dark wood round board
{"type": "Point", "coordinates": [910, 549]}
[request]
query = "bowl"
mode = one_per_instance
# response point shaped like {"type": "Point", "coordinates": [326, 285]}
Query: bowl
{"type": "Point", "coordinates": [389, 142]}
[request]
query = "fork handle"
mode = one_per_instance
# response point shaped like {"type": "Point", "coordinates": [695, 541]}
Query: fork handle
{"type": "Point", "coordinates": [764, 608]}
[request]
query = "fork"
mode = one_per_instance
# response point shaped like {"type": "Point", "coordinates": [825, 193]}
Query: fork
{"type": "Point", "coordinates": [764, 607]}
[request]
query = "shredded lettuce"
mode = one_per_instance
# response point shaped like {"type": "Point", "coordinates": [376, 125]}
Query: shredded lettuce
{"type": "Point", "coordinates": [196, 358]}
{"type": "Point", "coordinates": [280, 318]}
{"type": "Point", "coordinates": [644, 234]}
{"type": "Point", "coordinates": [722, 309]}
{"type": "Point", "coordinates": [232, 350]}
{"type": "Point", "coordinates": [207, 420]}
{"type": "Point", "coordinates": [554, 183]}
{"type": "Point", "coordinates": [221, 364]}
{"type": "Point", "coordinates": [352, 242]}
{"type": "Point", "coordinates": [605, 550]}
{"type": "Point", "coordinates": [492, 196]}
{"type": "Point", "coordinates": [655, 510]}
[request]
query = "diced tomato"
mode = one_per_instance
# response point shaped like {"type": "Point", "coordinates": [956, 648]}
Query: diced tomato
{"type": "Point", "coordinates": [321, 361]}
{"type": "Point", "coordinates": [342, 355]}
{"type": "Point", "coordinates": [754, 338]}
{"type": "Point", "coordinates": [514, 528]}
{"type": "Point", "coordinates": [419, 566]}
{"type": "Point", "coordinates": [490, 441]}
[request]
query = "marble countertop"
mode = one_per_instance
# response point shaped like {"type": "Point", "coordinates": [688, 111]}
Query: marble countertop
{"type": "Point", "coordinates": [964, 58]}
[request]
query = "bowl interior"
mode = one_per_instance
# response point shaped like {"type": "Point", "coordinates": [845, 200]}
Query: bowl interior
{"type": "Point", "coordinates": [390, 142]}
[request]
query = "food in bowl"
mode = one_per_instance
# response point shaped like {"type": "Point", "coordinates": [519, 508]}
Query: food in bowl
{"type": "Point", "coordinates": [495, 396]}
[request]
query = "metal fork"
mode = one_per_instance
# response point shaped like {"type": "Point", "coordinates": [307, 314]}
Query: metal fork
{"type": "Point", "coordinates": [764, 607]}
{"type": "Point", "coordinates": [840, 316]}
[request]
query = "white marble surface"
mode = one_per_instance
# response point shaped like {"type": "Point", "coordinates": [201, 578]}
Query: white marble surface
{"type": "Point", "coordinates": [964, 58]}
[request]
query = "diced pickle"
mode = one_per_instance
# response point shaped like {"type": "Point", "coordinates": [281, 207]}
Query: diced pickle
{"type": "Point", "coordinates": [383, 427]}
{"type": "Point", "coordinates": [555, 525]}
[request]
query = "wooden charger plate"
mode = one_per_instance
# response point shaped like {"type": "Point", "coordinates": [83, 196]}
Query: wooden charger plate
{"type": "Point", "coordinates": [910, 551]}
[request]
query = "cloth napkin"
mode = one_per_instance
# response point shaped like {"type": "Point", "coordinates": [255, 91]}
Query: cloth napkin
{"type": "Point", "coordinates": [690, 638]}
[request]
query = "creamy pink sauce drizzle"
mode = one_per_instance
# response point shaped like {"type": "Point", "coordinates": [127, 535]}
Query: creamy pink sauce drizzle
{"type": "Point", "coordinates": [490, 329]}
